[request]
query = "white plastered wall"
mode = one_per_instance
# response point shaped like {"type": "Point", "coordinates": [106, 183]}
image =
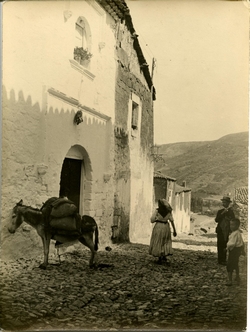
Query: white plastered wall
{"type": "Point", "coordinates": [38, 127]}
{"type": "Point", "coordinates": [141, 188]}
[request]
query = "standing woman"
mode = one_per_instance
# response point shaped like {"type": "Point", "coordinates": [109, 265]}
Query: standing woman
{"type": "Point", "coordinates": [161, 242]}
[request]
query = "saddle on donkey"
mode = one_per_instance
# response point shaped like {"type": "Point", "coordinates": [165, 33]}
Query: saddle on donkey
{"type": "Point", "coordinates": [61, 215]}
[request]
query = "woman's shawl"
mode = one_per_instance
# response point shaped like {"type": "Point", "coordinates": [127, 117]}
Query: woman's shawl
{"type": "Point", "coordinates": [164, 207]}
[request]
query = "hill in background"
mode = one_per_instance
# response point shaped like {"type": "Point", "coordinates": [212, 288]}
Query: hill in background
{"type": "Point", "coordinates": [210, 167]}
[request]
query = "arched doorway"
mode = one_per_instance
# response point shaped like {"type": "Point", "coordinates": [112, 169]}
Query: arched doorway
{"type": "Point", "coordinates": [76, 171]}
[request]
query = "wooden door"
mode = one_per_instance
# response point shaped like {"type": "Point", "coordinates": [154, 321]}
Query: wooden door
{"type": "Point", "coordinates": [70, 184]}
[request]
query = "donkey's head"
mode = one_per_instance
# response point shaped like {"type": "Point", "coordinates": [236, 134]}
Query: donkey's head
{"type": "Point", "coordinates": [17, 218]}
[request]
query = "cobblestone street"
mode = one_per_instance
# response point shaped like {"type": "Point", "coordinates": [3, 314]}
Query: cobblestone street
{"type": "Point", "coordinates": [128, 291]}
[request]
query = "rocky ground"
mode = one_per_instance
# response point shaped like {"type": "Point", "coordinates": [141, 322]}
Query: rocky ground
{"type": "Point", "coordinates": [128, 290]}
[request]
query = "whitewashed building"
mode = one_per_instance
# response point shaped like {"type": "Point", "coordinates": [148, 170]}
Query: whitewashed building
{"type": "Point", "coordinates": [75, 127]}
{"type": "Point", "coordinates": [182, 209]}
{"type": "Point", "coordinates": [179, 197]}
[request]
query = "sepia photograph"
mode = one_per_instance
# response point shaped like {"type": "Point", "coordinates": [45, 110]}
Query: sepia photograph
{"type": "Point", "coordinates": [124, 165]}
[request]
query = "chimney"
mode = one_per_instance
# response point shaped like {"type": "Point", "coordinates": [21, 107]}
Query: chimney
{"type": "Point", "coordinates": [184, 184]}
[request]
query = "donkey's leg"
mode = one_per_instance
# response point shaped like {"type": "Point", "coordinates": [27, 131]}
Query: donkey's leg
{"type": "Point", "coordinates": [87, 240]}
{"type": "Point", "coordinates": [46, 241]}
{"type": "Point", "coordinates": [58, 254]}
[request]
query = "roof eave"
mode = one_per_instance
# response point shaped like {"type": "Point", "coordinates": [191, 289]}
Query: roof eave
{"type": "Point", "coordinates": [119, 10]}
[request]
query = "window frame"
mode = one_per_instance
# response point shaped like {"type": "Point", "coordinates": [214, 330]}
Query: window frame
{"type": "Point", "coordinates": [134, 125]}
{"type": "Point", "coordinates": [81, 22]}
{"type": "Point", "coordinates": [82, 35]}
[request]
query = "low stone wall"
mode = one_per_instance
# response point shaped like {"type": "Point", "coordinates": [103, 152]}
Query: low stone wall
{"type": "Point", "coordinates": [241, 212]}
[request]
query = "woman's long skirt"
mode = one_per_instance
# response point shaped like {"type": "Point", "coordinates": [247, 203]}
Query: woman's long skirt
{"type": "Point", "coordinates": [161, 241]}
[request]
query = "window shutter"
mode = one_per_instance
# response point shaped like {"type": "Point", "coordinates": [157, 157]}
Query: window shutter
{"type": "Point", "coordinates": [135, 116]}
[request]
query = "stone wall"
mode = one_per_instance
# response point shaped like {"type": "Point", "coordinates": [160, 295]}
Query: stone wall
{"type": "Point", "coordinates": [240, 205]}
{"type": "Point", "coordinates": [241, 212]}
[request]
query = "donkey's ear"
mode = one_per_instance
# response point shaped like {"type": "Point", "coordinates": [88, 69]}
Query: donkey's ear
{"type": "Point", "coordinates": [20, 203]}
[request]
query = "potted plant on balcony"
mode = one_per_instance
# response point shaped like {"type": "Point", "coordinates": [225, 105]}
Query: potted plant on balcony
{"type": "Point", "coordinates": [82, 55]}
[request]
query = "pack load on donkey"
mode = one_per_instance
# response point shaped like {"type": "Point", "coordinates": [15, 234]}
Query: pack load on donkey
{"type": "Point", "coordinates": [63, 220]}
{"type": "Point", "coordinates": [61, 214]}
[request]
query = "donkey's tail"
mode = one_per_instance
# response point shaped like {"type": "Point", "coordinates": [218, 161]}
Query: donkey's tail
{"type": "Point", "coordinates": [96, 238]}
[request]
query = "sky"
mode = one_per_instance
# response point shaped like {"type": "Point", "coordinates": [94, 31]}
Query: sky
{"type": "Point", "coordinates": [201, 75]}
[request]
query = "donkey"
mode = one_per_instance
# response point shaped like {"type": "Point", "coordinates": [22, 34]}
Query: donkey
{"type": "Point", "coordinates": [35, 218]}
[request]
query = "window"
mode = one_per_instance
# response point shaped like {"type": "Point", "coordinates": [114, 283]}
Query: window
{"type": "Point", "coordinates": [82, 49]}
{"type": "Point", "coordinates": [134, 115]}
{"type": "Point", "coordinates": [80, 37]}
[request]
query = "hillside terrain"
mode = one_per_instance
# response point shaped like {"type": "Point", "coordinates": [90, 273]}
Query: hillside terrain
{"type": "Point", "coordinates": [210, 167]}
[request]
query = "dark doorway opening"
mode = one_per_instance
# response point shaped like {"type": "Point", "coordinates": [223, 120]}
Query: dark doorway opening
{"type": "Point", "coordinates": [70, 184]}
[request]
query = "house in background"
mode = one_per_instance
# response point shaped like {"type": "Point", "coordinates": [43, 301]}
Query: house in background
{"type": "Point", "coordinates": [182, 209]}
{"type": "Point", "coordinates": [179, 197]}
{"type": "Point", "coordinates": [164, 187]}
{"type": "Point", "coordinates": [77, 114]}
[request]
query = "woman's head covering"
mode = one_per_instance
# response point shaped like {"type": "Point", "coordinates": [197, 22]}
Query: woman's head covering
{"type": "Point", "coordinates": [164, 207]}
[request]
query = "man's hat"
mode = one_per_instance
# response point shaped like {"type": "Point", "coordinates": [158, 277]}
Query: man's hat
{"type": "Point", "coordinates": [226, 199]}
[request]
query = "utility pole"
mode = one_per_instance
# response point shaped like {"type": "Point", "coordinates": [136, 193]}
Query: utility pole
{"type": "Point", "coordinates": [153, 67]}
{"type": "Point", "coordinates": [152, 75]}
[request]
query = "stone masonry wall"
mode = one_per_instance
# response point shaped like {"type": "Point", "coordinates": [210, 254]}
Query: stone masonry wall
{"type": "Point", "coordinates": [133, 165]}
{"type": "Point", "coordinates": [240, 205]}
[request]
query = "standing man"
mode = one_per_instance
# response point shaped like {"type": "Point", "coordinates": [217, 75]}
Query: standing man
{"type": "Point", "coordinates": [223, 218]}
